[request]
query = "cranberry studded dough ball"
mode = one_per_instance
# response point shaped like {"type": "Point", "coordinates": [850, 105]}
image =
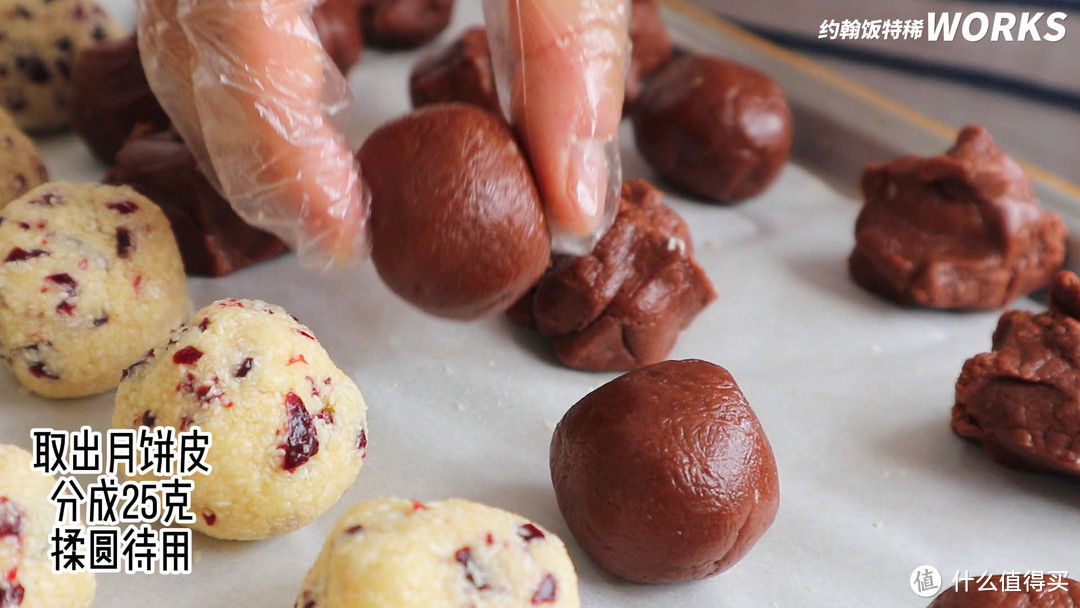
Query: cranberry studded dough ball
{"type": "Point", "coordinates": [21, 167]}
{"type": "Point", "coordinates": [288, 427]}
{"type": "Point", "coordinates": [39, 41]}
{"type": "Point", "coordinates": [405, 554]}
{"type": "Point", "coordinates": [26, 521]}
{"type": "Point", "coordinates": [91, 278]}
{"type": "Point", "coordinates": [713, 127]}
{"type": "Point", "coordinates": [665, 474]}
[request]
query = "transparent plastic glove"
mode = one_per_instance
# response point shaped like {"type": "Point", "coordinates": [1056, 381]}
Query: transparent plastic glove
{"type": "Point", "coordinates": [250, 89]}
{"type": "Point", "coordinates": [560, 68]}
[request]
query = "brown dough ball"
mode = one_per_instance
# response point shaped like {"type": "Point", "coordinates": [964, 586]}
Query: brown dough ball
{"type": "Point", "coordinates": [717, 129]}
{"type": "Point", "coordinates": [338, 25]}
{"type": "Point", "coordinates": [110, 96]}
{"type": "Point", "coordinates": [665, 473]}
{"type": "Point", "coordinates": [1021, 400]}
{"type": "Point", "coordinates": [961, 230]}
{"type": "Point", "coordinates": [969, 595]}
{"type": "Point", "coordinates": [650, 46]}
{"type": "Point", "coordinates": [458, 229]}
{"type": "Point", "coordinates": [459, 72]}
{"type": "Point", "coordinates": [404, 24]}
{"type": "Point", "coordinates": [214, 241]}
{"type": "Point", "coordinates": [622, 305]}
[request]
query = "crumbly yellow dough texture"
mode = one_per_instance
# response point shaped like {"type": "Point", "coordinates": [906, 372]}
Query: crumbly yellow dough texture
{"type": "Point", "coordinates": [90, 279]}
{"type": "Point", "coordinates": [39, 40]}
{"type": "Point", "coordinates": [288, 427]}
{"type": "Point", "coordinates": [21, 167]}
{"type": "Point", "coordinates": [26, 521]}
{"type": "Point", "coordinates": [401, 553]}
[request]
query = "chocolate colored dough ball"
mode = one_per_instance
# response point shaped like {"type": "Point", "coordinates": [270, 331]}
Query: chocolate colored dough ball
{"type": "Point", "coordinates": [457, 225]}
{"type": "Point", "coordinates": [1021, 400]}
{"type": "Point", "coordinates": [717, 129]}
{"type": "Point", "coordinates": [665, 474]}
{"type": "Point", "coordinates": [338, 25]}
{"type": "Point", "coordinates": [404, 24]}
{"type": "Point", "coordinates": [110, 96]}
{"type": "Point", "coordinates": [1046, 594]}
{"type": "Point", "coordinates": [624, 304]}
{"type": "Point", "coordinates": [213, 240]}
{"type": "Point", "coordinates": [961, 230]}
{"type": "Point", "coordinates": [650, 46]}
{"type": "Point", "coordinates": [460, 72]}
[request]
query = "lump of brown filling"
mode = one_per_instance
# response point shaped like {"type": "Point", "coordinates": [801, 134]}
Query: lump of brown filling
{"type": "Point", "coordinates": [110, 96]}
{"type": "Point", "coordinates": [988, 592]}
{"type": "Point", "coordinates": [458, 72]}
{"type": "Point", "coordinates": [713, 127]}
{"type": "Point", "coordinates": [1021, 401]}
{"type": "Point", "coordinates": [960, 230]}
{"type": "Point", "coordinates": [665, 473]}
{"type": "Point", "coordinates": [623, 305]}
{"type": "Point", "coordinates": [404, 24]}
{"type": "Point", "coordinates": [213, 240]}
{"type": "Point", "coordinates": [457, 226]}
{"type": "Point", "coordinates": [650, 45]}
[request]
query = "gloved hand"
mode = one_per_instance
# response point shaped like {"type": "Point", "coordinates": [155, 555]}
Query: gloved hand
{"type": "Point", "coordinates": [250, 89]}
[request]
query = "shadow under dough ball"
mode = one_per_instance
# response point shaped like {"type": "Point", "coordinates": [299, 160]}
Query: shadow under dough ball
{"type": "Point", "coordinates": [1048, 595]}
{"type": "Point", "coordinates": [458, 229]}
{"type": "Point", "coordinates": [717, 129]}
{"type": "Point", "coordinates": [1021, 400]}
{"type": "Point", "coordinates": [665, 474]}
{"type": "Point", "coordinates": [961, 230]}
{"type": "Point", "coordinates": [404, 24]}
{"type": "Point", "coordinates": [459, 72]}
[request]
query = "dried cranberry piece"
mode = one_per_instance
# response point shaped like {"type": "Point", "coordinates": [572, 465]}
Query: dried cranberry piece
{"type": "Point", "coordinates": [210, 517]}
{"type": "Point", "coordinates": [49, 199]}
{"type": "Point", "coordinates": [416, 504]}
{"type": "Point", "coordinates": [529, 533]}
{"type": "Point", "coordinates": [327, 416]}
{"type": "Point", "coordinates": [141, 362]}
{"type": "Point", "coordinates": [245, 367]}
{"type": "Point", "coordinates": [357, 529]}
{"type": "Point", "coordinates": [361, 440]}
{"type": "Point", "coordinates": [33, 67]}
{"type": "Point", "coordinates": [65, 282]}
{"type": "Point", "coordinates": [123, 207]}
{"type": "Point", "coordinates": [38, 370]}
{"type": "Point", "coordinates": [297, 359]}
{"type": "Point", "coordinates": [19, 254]}
{"type": "Point", "coordinates": [305, 334]}
{"type": "Point", "coordinates": [301, 440]}
{"type": "Point", "coordinates": [11, 518]}
{"type": "Point", "coordinates": [11, 594]}
{"type": "Point", "coordinates": [546, 593]}
{"type": "Point", "coordinates": [204, 324]}
{"type": "Point", "coordinates": [65, 308]}
{"type": "Point", "coordinates": [102, 320]}
{"type": "Point", "coordinates": [188, 355]}
{"type": "Point", "coordinates": [472, 571]}
{"type": "Point", "coordinates": [148, 419]}
{"type": "Point", "coordinates": [123, 242]}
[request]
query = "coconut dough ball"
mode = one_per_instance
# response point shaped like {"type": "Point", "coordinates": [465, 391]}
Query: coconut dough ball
{"type": "Point", "coordinates": [20, 164]}
{"type": "Point", "coordinates": [456, 221]}
{"type": "Point", "coordinates": [39, 40]}
{"type": "Point", "coordinates": [665, 474]}
{"type": "Point", "coordinates": [713, 127]}
{"type": "Point", "coordinates": [401, 553]}
{"type": "Point", "coordinates": [91, 278]}
{"type": "Point", "coordinates": [288, 427]}
{"type": "Point", "coordinates": [26, 521]}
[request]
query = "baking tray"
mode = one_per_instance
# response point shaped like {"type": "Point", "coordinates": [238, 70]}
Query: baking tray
{"type": "Point", "coordinates": [854, 392]}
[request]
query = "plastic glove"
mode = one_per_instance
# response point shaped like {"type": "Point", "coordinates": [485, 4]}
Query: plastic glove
{"type": "Point", "coordinates": [250, 89]}
{"type": "Point", "coordinates": [253, 94]}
